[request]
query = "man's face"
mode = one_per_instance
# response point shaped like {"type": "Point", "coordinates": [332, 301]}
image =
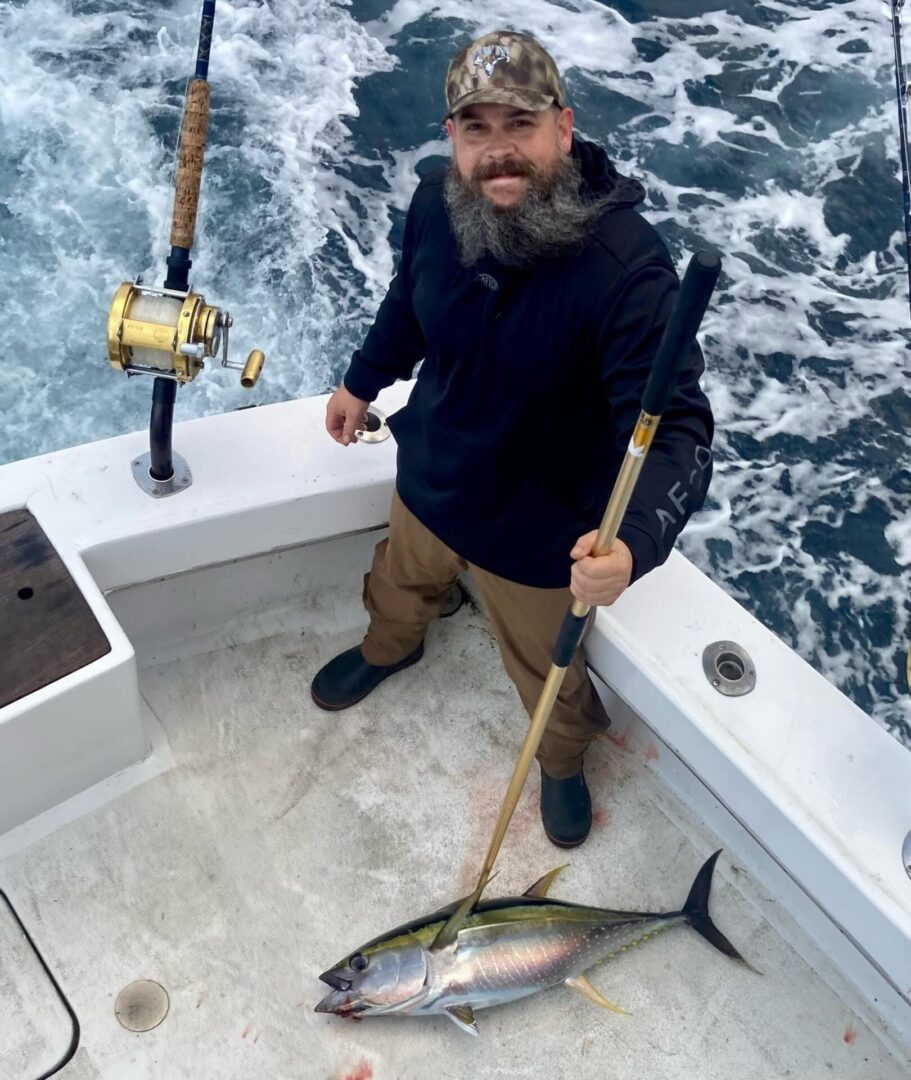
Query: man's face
{"type": "Point", "coordinates": [497, 147]}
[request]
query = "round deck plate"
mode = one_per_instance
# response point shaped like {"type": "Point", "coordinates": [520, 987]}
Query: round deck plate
{"type": "Point", "coordinates": [142, 1005]}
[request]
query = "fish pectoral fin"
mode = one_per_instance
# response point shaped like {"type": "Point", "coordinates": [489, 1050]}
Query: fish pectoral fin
{"type": "Point", "coordinates": [541, 886]}
{"type": "Point", "coordinates": [449, 931]}
{"type": "Point", "coordinates": [583, 986]}
{"type": "Point", "coordinates": [463, 1015]}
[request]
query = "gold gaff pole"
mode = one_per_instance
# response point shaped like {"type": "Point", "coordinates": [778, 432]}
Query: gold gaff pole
{"type": "Point", "coordinates": [689, 308]}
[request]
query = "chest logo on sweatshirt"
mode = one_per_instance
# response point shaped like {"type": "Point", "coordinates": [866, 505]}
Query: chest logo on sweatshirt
{"type": "Point", "coordinates": [488, 281]}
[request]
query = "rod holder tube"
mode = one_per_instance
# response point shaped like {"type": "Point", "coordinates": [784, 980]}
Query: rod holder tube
{"type": "Point", "coordinates": [161, 424]}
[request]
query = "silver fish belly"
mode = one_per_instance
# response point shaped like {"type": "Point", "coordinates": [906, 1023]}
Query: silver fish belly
{"type": "Point", "coordinates": [495, 964]}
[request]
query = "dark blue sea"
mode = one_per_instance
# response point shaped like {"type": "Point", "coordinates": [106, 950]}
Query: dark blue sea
{"type": "Point", "coordinates": [767, 130]}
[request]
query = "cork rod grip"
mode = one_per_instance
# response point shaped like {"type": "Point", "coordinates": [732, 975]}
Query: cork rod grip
{"type": "Point", "coordinates": [189, 167]}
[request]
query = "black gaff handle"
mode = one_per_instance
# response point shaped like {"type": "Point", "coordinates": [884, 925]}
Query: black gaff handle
{"type": "Point", "coordinates": [689, 308]}
{"type": "Point", "coordinates": [572, 630]}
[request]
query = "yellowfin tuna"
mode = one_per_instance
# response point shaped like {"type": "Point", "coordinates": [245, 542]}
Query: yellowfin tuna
{"type": "Point", "coordinates": [500, 951]}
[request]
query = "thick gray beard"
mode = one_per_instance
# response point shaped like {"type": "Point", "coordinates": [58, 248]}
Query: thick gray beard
{"type": "Point", "coordinates": [552, 219]}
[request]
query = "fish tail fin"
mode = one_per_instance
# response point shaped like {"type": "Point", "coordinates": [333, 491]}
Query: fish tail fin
{"type": "Point", "coordinates": [696, 910]}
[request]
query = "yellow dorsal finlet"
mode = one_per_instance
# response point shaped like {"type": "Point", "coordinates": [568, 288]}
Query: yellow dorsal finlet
{"type": "Point", "coordinates": [541, 886]}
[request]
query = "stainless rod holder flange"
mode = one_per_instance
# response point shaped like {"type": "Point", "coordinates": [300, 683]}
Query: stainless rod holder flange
{"type": "Point", "coordinates": [376, 428]}
{"type": "Point", "coordinates": [728, 668]}
{"type": "Point", "coordinates": [179, 480]}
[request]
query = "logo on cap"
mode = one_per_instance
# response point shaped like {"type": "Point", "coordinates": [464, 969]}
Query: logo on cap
{"type": "Point", "coordinates": [489, 56]}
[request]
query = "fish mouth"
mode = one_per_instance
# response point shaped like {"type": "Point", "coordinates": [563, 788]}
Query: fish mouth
{"type": "Point", "coordinates": [341, 1003]}
{"type": "Point", "coordinates": [335, 981]}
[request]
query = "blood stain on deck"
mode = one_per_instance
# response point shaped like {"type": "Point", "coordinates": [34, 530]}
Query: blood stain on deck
{"type": "Point", "coordinates": [362, 1071]}
{"type": "Point", "coordinates": [850, 1034]}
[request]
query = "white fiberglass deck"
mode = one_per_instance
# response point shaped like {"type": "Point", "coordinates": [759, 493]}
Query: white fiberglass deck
{"type": "Point", "coordinates": [282, 836]}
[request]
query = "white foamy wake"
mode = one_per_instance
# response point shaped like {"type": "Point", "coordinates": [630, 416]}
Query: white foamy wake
{"type": "Point", "coordinates": [744, 124]}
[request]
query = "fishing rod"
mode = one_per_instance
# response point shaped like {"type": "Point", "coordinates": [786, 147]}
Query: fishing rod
{"type": "Point", "coordinates": [901, 93]}
{"type": "Point", "coordinates": [170, 332]}
{"type": "Point", "coordinates": [689, 308]}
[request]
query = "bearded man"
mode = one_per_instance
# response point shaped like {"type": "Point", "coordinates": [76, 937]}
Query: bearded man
{"type": "Point", "coordinates": [536, 296]}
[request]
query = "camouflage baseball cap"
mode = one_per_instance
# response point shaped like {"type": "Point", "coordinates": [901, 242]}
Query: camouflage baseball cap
{"type": "Point", "coordinates": [505, 68]}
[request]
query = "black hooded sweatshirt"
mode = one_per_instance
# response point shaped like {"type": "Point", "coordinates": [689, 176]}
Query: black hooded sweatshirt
{"type": "Point", "coordinates": [530, 388]}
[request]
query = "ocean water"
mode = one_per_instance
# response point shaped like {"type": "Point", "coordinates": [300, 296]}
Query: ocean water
{"type": "Point", "coordinates": [765, 129]}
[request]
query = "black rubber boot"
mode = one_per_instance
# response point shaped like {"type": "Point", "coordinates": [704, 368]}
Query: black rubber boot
{"type": "Point", "coordinates": [566, 809]}
{"type": "Point", "coordinates": [348, 678]}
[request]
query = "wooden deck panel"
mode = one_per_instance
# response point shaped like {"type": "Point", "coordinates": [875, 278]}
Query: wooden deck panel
{"type": "Point", "coordinates": [47, 629]}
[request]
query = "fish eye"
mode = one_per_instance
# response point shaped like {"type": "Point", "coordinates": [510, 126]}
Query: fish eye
{"type": "Point", "coordinates": [358, 962]}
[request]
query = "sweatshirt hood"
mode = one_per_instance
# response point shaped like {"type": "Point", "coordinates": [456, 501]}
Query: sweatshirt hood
{"type": "Point", "coordinates": [600, 176]}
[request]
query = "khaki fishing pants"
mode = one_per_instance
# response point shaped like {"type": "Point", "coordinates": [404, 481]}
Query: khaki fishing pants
{"type": "Point", "coordinates": [405, 591]}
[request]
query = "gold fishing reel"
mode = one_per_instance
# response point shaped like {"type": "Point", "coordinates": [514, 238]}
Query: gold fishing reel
{"type": "Point", "coordinates": [169, 333]}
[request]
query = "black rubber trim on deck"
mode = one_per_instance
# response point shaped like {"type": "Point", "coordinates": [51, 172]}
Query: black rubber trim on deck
{"type": "Point", "coordinates": [74, 1041]}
